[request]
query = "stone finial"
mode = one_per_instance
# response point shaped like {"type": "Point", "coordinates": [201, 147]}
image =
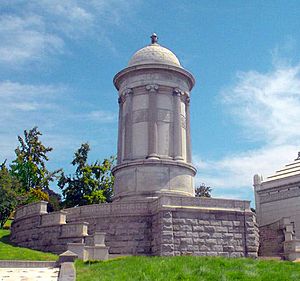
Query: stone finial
{"type": "Point", "coordinates": [67, 256]}
{"type": "Point", "coordinates": [257, 180]}
{"type": "Point", "coordinates": [154, 38]}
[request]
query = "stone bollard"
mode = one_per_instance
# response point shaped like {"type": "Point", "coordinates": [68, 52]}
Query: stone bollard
{"type": "Point", "coordinates": [96, 251]}
{"type": "Point", "coordinates": [67, 270]}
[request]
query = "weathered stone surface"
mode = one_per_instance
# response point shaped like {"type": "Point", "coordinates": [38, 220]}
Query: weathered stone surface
{"type": "Point", "coordinates": [154, 230]}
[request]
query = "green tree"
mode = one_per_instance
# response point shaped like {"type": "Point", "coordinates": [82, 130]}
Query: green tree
{"type": "Point", "coordinates": [203, 191]}
{"type": "Point", "coordinates": [8, 195]}
{"type": "Point", "coordinates": [29, 167]}
{"type": "Point", "coordinates": [91, 183]}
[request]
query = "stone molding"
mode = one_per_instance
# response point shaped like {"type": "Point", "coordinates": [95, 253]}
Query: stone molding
{"type": "Point", "coordinates": [154, 162]}
{"type": "Point", "coordinates": [278, 194]}
{"type": "Point", "coordinates": [132, 70]}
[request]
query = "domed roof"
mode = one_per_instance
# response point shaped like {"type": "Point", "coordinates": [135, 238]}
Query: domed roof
{"type": "Point", "coordinates": [154, 53]}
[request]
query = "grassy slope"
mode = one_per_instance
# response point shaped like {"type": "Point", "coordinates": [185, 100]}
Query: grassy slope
{"type": "Point", "coordinates": [165, 269]}
{"type": "Point", "coordinates": [187, 268]}
{"type": "Point", "coordinates": [11, 252]}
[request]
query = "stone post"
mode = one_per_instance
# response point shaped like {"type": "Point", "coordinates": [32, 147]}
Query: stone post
{"type": "Point", "coordinates": [152, 126]}
{"type": "Point", "coordinates": [257, 179]}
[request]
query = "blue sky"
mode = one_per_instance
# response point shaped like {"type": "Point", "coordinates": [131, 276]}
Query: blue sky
{"type": "Point", "coordinates": [58, 59]}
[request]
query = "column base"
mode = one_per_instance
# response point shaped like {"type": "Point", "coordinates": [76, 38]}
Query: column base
{"type": "Point", "coordinates": [179, 158]}
{"type": "Point", "coordinates": [153, 156]}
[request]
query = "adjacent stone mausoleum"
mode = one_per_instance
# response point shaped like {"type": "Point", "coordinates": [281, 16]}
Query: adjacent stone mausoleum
{"type": "Point", "coordinates": [154, 211]}
{"type": "Point", "coordinates": [277, 200]}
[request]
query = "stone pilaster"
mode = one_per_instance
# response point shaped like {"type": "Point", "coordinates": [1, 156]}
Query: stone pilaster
{"type": "Point", "coordinates": [152, 125]}
{"type": "Point", "coordinates": [188, 129]}
{"type": "Point", "coordinates": [177, 125]}
{"type": "Point", "coordinates": [121, 101]}
{"type": "Point", "coordinates": [128, 125]}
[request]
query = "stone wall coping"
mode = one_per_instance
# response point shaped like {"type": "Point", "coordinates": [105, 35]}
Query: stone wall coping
{"type": "Point", "coordinates": [115, 209]}
{"type": "Point", "coordinates": [75, 222]}
{"type": "Point", "coordinates": [97, 247]}
{"type": "Point", "coordinates": [149, 206]}
{"type": "Point", "coordinates": [26, 264]}
{"type": "Point", "coordinates": [204, 202]}
{"type": "Point", "coordinates": [26, 217]}
{"type": "Point", "coordinates": [32, 204]}
{"type": "Point", "coordinates": [155, 66]}
{"type": "Point", "coordinates": [205, 209]}
{"type": "Point", "coordinates": [56, 212]}
{"type": "Point", "coordinates": [21, 209]}
{"type": "Point", "coordinates": [67, 272]}
{"type": "Point", "coordinates": [146, 162]}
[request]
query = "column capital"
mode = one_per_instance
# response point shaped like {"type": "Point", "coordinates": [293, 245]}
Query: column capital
{"type": "Point", "coordinates": [121, 99]}
{"type": "Point", "coordinates": [177, 92]}
{"type": "Point", "coordinates": [124, 94]}
{"type": "Point", "coordinates": [152, 87]}
{"type": "Point", "coordinates": [186, 98]}
{"type": "Point", "coordinates": [127, 91]}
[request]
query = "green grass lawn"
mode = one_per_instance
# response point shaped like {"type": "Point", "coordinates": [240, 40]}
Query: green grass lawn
{"type": "Point", "coordinates": [187, 268]}
{"type": "Point", "coordinates": [10, 252]}
{"type": "Point", "coordinates": [164, 269]}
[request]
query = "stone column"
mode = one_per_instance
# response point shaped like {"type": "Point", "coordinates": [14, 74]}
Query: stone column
{"type": "Point", "coordinates": [177, 125]}
{"type": "Point", "coordinates": [128, 125]}
{"type": "Point", "coordinates": [121, 101]}
{"type": "Point", "coordinates": [188, 132]}
{"type": "Point", "coordinates": [152, 125]}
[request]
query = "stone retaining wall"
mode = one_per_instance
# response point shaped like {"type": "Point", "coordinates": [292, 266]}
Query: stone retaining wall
{"type": "Point", "coordinates": [165, 226]}
{"type": "Point", "coordinates": [205, 233]}
{"type": "Point", "coordinates": [35, 229]}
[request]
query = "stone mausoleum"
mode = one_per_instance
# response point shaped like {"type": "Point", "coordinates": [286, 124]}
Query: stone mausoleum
{"type": "Point", "coordinates": [155, 211]}
{"type": "Point", "coordinates": [277, 200]}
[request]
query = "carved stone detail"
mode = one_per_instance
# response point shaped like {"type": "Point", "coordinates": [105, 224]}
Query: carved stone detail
{"type": "Point", "coordinates": [152, 87]}
{"type": "Point", "coordinates": [177, 92]}
{"type": "Point", "coordinates": [124, 94]}
{"type": "Point", "coordinates": [281, 195]}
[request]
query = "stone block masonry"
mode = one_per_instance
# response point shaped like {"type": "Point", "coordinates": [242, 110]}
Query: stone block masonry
{"type": "Point", "coordinates": [166, 226]}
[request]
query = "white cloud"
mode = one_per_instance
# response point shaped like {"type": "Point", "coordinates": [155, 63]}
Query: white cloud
{"type": "Point", "coordinates": [102, 116]}
{"type": "Point", "coordinates": [236, 171]}
{"type": "Point", "coordinates": [24, 39]}
{"type": "Point", "coordinates": [50, 107]}
{"type": "Point", "coordinates": [266, 106]}
{"type": "Point", "coordinates": [40, 29]}
{"type": "Point", "coordinates": [17, 98]}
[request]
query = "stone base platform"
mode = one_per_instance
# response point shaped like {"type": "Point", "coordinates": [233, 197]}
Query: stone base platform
{"type": "Point", "coordinates": [166, 226]}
